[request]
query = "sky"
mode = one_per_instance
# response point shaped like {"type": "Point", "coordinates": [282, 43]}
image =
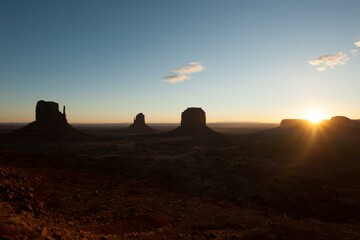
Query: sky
{"type": "Point", "coordinates": [254, 60]}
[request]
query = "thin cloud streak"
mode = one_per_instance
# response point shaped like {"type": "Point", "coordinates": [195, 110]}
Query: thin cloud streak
{"type": "Point", "coordinates": [354, 52]}
{"type": "Point", "coordinates": [329, 61]}
{"type": "Point", "coordinates": [182, 73]}
{"type": "Point", "coordinates": [190, 68]}
{"type": "Point", "coordinates": [176, 78]}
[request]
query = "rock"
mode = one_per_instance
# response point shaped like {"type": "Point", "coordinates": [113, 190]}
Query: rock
{"type": "Point", "coordinates": [340, 119]}
{"type": "Point", "coordinates": [49, 112]}
{"type": "Point", "coordinates": [50, 125]}
{"type": "Point", "coordinates": [44, 232]}
{"type": "Point", "coordinates": [139, 126]}
{"type": "Point", "coordinates": [294, 123]}
{"type": "Point", "coordinates": [193, 116]}
{"type": "Point", "coordinates": [193, 124]}
{"type": "Point", "coordinates": [139, 119]}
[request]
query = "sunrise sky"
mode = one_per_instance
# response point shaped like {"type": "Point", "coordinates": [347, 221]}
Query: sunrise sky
{"type": "Point", "coordinates": [249, 60]}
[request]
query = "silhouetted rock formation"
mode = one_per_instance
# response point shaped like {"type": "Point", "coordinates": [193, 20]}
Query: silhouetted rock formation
{"type": "Point", "coordinates": [193, 117]}
{"type": "Point", "coordinates": [50, 124]}
{"type": "Point", "coordinates": [193, 124]}
{"type": "Point", "coordinates": [139, 119]}
{"type": "Point", "coordinates": [341, 119]}
{"type": "Point", "coordinates": [139, 125]}
{"type": "Point", "coordinates": [49, 112]}
{"type": "Point", "coordinates": [334, 121]}
{"type": "Point", "coordinates": [294, 123]}
{"type": "Point", "coordinates": [294, 129]}
{"type": "Point", "coordinates": [344, 122]}
{"type": "Point", "coordinates": [295, 132]}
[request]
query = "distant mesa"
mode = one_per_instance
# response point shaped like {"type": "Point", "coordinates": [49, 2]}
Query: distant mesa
{"type": "Point", "coordinates": [298, 130]}
{"type": "Point", "coordinates": [139, 126]}
{"type": "Point", "coordinates": [50, 124]}
{"type": "Point", "coordinates": [341, 119]}
{"type": "Point", "coordinates": [336, 120]}
{"type": "Point", "coordinates": [294, 123]}
{"type": "Point", "coordinates": [193, 124]}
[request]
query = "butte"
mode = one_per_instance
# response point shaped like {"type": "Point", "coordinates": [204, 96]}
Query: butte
{"type": "Point", "coordinates": [193, 124]}
{"type": "Point", "coordinates": [50, 125]}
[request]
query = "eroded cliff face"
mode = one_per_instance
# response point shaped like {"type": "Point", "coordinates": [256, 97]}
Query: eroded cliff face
{"type": "Point", "coordinates": [193, 116]}
{"type": "Point", "coordinates": [193, 124]}
{"type": "Point", "coordinates": [139, 126]}
{"type": "Point", "coordinates": [50, 125]}
{"type": "Point", "coordinates": [49, 112]}
{"type": "Point", "coordinates": [139, 120]}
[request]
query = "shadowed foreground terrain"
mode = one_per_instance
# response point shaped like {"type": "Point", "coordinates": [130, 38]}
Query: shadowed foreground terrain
{"type": "Point", "coordinates": [300, 183]}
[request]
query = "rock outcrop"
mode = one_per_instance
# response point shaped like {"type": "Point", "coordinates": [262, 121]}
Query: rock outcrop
{"type": "Point", "coordinates": [139, 126]}
{"type": "Point", "coordinates": [139, 119]}
{"type": "Point", "coordinates": [294, 123]}
{"type": "Point", "coordinates": [193, 124]}
{"type": "Point", "coordinates": [193, 117]}
{"type": "Point", "coordinates": [336, 127]}
{"type": "Point", "coordinates": [336, 120]}
{"type": "Point", "coordinates": [49, 112]}
{"type": "Point", "coordinates": [50, 124]}
{"type": "Point", "coordinates": [341, 119]}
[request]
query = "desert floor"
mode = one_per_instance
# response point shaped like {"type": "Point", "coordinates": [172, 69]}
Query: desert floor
{"type": "Point", "coordinates": [240, 186]}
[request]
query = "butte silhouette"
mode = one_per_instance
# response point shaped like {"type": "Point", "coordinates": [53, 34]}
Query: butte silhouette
{"type": "Point", "coordinates": [338, 127]}
{"type": "Point", "coordinates": [193, 124]}
{"type": "Point", "coordinates": [50, 124]}
{"type": "Point", "coordinates": [336, 121]}
{"type": "Point", "coordinates": [139, 126]}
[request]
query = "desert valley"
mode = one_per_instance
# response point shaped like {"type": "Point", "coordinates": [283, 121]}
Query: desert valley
{"type": "Point", "coordinates": [292, 181]}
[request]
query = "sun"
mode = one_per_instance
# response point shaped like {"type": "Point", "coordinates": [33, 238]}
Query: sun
{"type": "Point", "coordinates": [314, 116]}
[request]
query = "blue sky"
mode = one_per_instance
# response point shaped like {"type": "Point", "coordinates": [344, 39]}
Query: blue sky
{"type": "Point", "coordinates": [106, 60]}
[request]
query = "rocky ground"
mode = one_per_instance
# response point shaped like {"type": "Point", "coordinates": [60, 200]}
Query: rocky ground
{"type": "Point", "coordinates": [141, 188]}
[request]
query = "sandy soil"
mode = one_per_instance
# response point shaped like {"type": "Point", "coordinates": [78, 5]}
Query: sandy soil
{"type": "Point", "coordinates": [156, 188]}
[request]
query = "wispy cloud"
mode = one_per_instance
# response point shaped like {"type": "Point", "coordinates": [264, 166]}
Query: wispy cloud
{"type": "Point", "coordinates": [190, 68]}
{"type": "Point", "coordinates": [357, 43]}
{"type": "Point", "coordinates": [182, 73]}
{"type": "Point", "coordinates": [329, 61]}
{"type": "Point", "coordinates": [354, 52]}
{"type": "Point", "coordinates": [176, 78]}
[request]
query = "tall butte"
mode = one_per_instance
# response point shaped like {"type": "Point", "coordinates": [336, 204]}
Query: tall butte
{"type": "Point", "coordinates": [49, 124]}
{"type": "Point", "coordinates": [139, 125]}
{"type": "Point", "coordinates": [193, 124]}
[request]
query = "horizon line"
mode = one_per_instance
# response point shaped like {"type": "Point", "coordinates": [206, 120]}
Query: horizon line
{"type": "Point", "coordinates": [217, 122]}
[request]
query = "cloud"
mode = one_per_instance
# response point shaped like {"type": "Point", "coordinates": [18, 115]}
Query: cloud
{"type": "Point", "coordinates": [190, 68]}
{"type": "Point", "coordinates": [357, 43]}
{"type": "Point", "coordinates": [182, 73]}
{"type": "Point", "coordinates": [329, 61]}
{"type": "Point", "coordinates": [354, 52]}
{"type": "Point", "coordinates": [176, 78]}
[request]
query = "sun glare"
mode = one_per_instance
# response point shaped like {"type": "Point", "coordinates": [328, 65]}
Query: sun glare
{"type": "Point", "coordinates": [314, 116]}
